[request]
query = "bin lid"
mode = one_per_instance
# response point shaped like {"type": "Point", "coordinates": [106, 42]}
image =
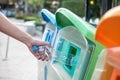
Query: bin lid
{"type": "Point", "coordinates": [48, 16]}
{"type": "Point", "coordinates": [64, 18]}
{"type": "Point", "coordinates": [108, 29]}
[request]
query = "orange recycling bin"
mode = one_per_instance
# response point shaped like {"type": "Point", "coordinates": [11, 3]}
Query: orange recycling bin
{"type": "Point", "coordinates": [107, 33]}
{"type": "Point", "coordinates": [108, 29]}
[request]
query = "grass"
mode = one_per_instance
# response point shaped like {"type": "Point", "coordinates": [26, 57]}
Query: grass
{"type": "Point", "coordinates": [35, 18]}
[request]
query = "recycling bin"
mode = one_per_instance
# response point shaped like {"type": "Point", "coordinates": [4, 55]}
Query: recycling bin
{"type": "Point", "coordinates": [49, 35]}
{"type": "Point", "coordinates": [75, 49]}
{"type": "Point", "coordinates": [108, 64]}
{"type": "Point", "coordinates": [68, 49]}
{"type": "Point", "coordinates": [85, 69]}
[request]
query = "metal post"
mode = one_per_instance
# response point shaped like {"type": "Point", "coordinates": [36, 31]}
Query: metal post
{"type": "Point", "coordinates": [7, 49]}
{"type": "Point", "coordinates": [106, 5]}
{"type": "Point", "coordinates": [26, 6]}
{"type": "Point", "coordinates": [87, 10]}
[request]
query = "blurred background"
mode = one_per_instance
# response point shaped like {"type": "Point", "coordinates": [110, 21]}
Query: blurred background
{"type": "Point", "coordinates": [26, 15]}
{"type": "Point", "coordinates": [30, 9]}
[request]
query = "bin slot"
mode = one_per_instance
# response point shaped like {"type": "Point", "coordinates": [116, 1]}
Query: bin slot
{"type": "Point", "coordinates": [70, 57]}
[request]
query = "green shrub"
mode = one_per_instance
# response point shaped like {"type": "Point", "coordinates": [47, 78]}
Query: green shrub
{"type": "Point", "coordinates": [38, 22]}
{"type": "Point", "coordinates": [19, 16]}
{"type": "Point", "coordinates": [29, 18]}
{"type": "Point", "coordinates": [35, 18]}
{"type": "Point", "coordinates": [76, 6]}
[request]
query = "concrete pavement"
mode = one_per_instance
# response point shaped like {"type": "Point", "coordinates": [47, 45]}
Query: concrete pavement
{"type": "Point", "coordinates": [21, 64]}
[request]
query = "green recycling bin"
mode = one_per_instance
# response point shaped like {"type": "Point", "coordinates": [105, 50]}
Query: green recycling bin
{"type": "Point", "coordinates": [80, 56]}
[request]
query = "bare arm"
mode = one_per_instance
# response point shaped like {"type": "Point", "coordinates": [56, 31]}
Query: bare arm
{"type": "Point", "coordinates": [10, 29]}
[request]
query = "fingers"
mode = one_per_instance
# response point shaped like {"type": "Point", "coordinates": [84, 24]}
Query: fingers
{"type": "Point", "coordinates": [42, 55]}
{"type": "Point", "coordinates": [49, 54]}
{"type": "Point", "coordinates": [37, 56]}
{"type": "Point", "coordinates": [41, 43]}
{"type": "Point", "coordinates": [45, 44]}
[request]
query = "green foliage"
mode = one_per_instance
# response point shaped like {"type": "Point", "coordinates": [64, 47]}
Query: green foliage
{"type": "Point", "coordinates": [35, 18]}
{"type": "Point", "coordinates": [31, 2]}
{"type": "Point", "coordinates": [41, 1]}
{"type": "Point", "coordinates": [37, 22]}
{"type": "Point", "coordinates": [76, 6]}
{"type": "Point", "coordinates": [37, 4]}
{"type": "Point", "coordinates": [47, 5]}
{"type": "Point", "coordinates": [34, 2]}
{"type": "Point", "coordinates": [19, 16]}
{"type": "Point", "coordinates": [29, 18]}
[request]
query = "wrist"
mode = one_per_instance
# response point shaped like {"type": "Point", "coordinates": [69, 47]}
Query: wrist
{"type": "Point", "coordinates": [27, 41]}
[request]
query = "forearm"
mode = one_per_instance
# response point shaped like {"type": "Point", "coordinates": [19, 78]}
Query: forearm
{"type": "Point", "coordinates": [10, 29]}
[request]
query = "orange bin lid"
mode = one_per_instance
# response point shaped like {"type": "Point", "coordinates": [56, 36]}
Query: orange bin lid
{"type": "Point", "coordinates": [108, 30]}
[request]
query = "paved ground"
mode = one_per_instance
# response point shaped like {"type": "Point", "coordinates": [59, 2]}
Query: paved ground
{"type": "Point", "coordinates": [21, 64]}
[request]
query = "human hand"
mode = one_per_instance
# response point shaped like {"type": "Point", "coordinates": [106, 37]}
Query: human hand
{"type": "Point", "coordinates": [39, 54]}
{"type": "Point", "coordinates": [44, 52]}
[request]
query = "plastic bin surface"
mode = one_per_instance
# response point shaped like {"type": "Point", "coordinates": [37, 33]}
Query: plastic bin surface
{"type": "Point", "coordinates": [65, 18]}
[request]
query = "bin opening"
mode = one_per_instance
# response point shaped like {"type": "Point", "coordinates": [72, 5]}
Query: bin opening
{"type": "Point", "coordinates": [70, 57]}
{"type": "Point", "coordinates": [67, 55]}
